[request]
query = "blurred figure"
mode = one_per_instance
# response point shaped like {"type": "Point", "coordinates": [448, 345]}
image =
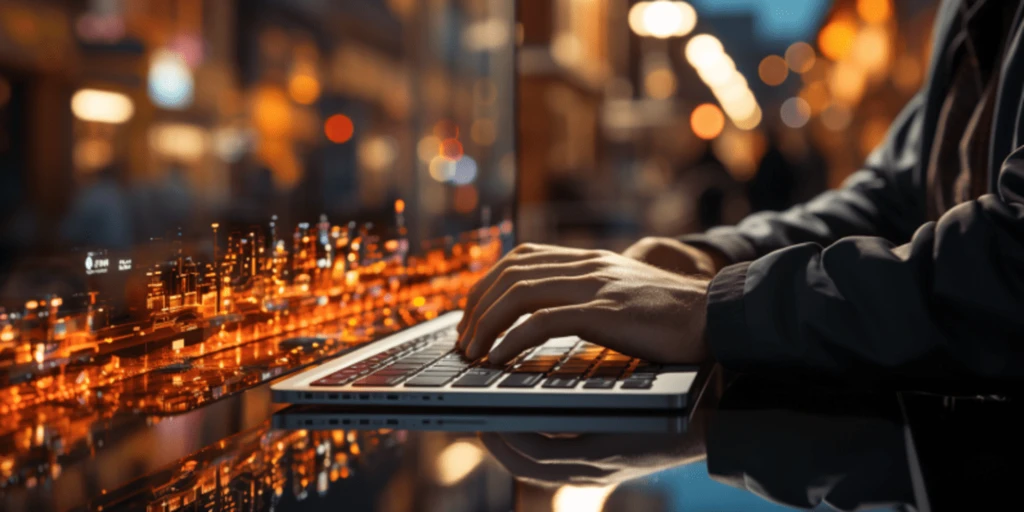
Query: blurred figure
{"type": "Point", "coordinates": [792, 170]}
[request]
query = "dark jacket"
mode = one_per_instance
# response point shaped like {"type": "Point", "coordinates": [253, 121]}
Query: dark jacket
{"type": "Point", "coordinates": [861, 281]}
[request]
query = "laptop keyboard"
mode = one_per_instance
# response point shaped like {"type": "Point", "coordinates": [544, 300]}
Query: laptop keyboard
{"type": "Point", "coordinates": [431, 362]}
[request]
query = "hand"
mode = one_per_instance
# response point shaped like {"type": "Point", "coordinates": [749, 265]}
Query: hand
{"type": "Point", "coordinates": [675, 256]}
{"type": "Point", "coordinates": [592, 459]}
{"type": "Point", "coordinates": [600, 296]}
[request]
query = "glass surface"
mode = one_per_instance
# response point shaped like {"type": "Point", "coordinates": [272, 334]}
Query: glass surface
{"type": "Point", "coordinates": [198, 196]}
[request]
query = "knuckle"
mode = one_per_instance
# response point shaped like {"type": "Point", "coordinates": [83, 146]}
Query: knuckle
{"type": "Point", "coordinates": [521, 286]}
{"type": "Point", "coordinates": [525, 248]}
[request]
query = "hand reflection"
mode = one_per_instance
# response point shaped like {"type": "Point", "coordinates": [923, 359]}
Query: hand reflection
{"type": "Point", "coordinates": [592, 459]}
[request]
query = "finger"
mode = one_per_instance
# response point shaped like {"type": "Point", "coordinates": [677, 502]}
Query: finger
{"type": "Point", "coordinates": [510, 277]}
{"type": "Point", "coordinates": [553, 322]}
{"type": "Point", "coordinates": [527, 254]}
{"type": "Point", "coordinates": [522, 298]}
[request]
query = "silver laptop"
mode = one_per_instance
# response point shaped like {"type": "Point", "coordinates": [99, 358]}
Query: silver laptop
{"type": "Point", "coordinates": [418, 367]}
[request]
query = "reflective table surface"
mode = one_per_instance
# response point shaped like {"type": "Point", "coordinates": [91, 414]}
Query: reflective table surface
{"type": "Point", "coordinates": [750, 444]}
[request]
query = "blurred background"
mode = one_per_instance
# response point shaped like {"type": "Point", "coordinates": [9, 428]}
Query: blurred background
{"type": "Point", "coordinates": [121, 121]}
{"type": "Point", "coordinates": [126, 120]}
{"type": "Point", "coordinates": [673, 117]}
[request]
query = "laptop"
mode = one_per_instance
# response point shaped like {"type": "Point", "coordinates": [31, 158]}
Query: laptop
{"type": "Point", "coordinates": [418, 367]}
{"type": "Point", "coordinates": [312, 417]}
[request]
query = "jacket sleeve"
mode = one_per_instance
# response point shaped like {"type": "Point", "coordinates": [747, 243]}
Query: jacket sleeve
{"type": "Point", "coordinates": [947, 304]}
{"type": "Point", "coordinates": [883, 199]}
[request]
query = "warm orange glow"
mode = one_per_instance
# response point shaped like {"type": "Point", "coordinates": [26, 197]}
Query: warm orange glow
{"type": "Point", "coordinates": [847, 82]}
{"type": "Point", "coordinates": [836, 39]}
{"type": "Point", "coordinates": [451, 149]}
{"type": "Point", "coordinates": [660, 83]}
{"type": "Point", "coordinates": [707, 121]}
{"type": "Point", "coordinates": [873, 50]}
{"type": "Point", "coordinates": [874, 11]}
{"type": "Point", "coordinates": [773, 70]}
{"type": "Point", "coordinates": [427, 148]}
{"type": "Point", "coordinates": [305, 89]}
{"type": "Point", "coordinates": [872, 134]}
{"type": "Point", "coordinates": [399, 206]}
{"type": "Point", "coordinates": [446, 129]}
{"type": "Point", "coordinates": [339, 129]}
{"type": "Point", "coordinates": [466, 199]}
{"type": "Point", "coordinates": [816, 95]}
{"type": "Point", "coordinates": [800, 57]}
{"type": "Point", "coordinates": [483, 132]}
{"type": "Point", "coordinates": [30, 305]}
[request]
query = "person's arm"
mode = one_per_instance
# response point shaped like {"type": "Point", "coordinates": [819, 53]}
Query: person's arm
{"type": "Point", "coordinates": [948, 304]}
{"type": "Point", "coordinates": [883, 199]}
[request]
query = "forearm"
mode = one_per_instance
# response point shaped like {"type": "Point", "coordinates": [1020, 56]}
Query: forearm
{"type": "Point", "coordinates": [945, 305]}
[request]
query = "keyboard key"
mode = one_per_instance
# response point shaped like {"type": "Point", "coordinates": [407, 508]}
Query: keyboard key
{"type": "Point", "coordinates": [430, 372]}
{"type": "Point", "coordinates": [531, 369]}
{"type": "Point", "coordinates": [477, 380]}
{"type": "Point", "coordinates": [521, 380]}
{"type": "Point", "coordinates": [637, 384]}
{"type": "Point", "coordinates": [422, 381]}
{"type": "Point", "coordinates": [378, 381]}
{"type": "Point", "coordinates": [390, 372]}
{"type": "Point", "coordinates": [603, 371]}
{"type": "Point", "coordinates": [560, 382]}
{"type": "Point", "coordinates": [599, 383]}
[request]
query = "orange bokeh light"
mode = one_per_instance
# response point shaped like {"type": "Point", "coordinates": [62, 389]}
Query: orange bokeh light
{"type": "Point", "coordinates": [836, 39]}
{"type": "Point", "coordinates": [466, 199]}
{"type": "Point", "coordinates": [399, 206]}
{"type": "Point", "coordinates": [446, 129]}
{"type": "Point", "coordinates": [773, 70]}
{"type": "Point", "coordinates": [451, 149]}
{"type": "Point", "coordinates": [874, 11]}
{"type": "Point", "coordinates": [339, 128]}
{"type": "Point", "coordinates": [707, 121]}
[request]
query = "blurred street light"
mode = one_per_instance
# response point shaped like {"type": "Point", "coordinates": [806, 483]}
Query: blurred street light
{"type": "Point", "coordinates": [773, 70]}
{"type": "Point", "coordinates": [662, 19]}
{"type": "Point", "coordinates": [707, 55]}
{"type": "Point", "coordinates": [874, 11]}
{"type": "Point", "coordinates": [102, 106]}
{"type": "Point", "coordinates": [171, 85]}
{"type": "Point", "coordinates": [707, 121]}
{"type": "Point", "coordinates": [795, 112]}
{"type": "Point", "coordinates": [836, 39]}
{"type": "Point", "coordinates": [800, 57]}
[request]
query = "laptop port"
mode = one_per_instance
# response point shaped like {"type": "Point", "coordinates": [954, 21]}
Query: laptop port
{"type": "Point", "coordinates": [346, 422]}
{"type": "Point", "coordinates": [392, 422]}
{"type": "Point", "coordinates": [364, 422]}
{"type": "Point", "coordinates": [332, 396]}
{"type": "Point", "coordinates": [309, 396]}
{"type": "Point", "coordinates": [364, 397]}
{"type": "Point", "coordinates": [332, 422]}
{"type": "Point", "coordinates": [392, 397]}
{"type": "Point", "coordinates": [346, 396]}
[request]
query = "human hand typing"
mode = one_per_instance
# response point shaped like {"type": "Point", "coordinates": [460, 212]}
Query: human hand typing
{"type": "Point", "coordinates": [600, 296]}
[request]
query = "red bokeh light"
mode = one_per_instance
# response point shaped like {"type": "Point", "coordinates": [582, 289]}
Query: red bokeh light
{"type": "Point", "coordinates": [451, 149]}
{"type": "Point", "coordinates": [339, 128]}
